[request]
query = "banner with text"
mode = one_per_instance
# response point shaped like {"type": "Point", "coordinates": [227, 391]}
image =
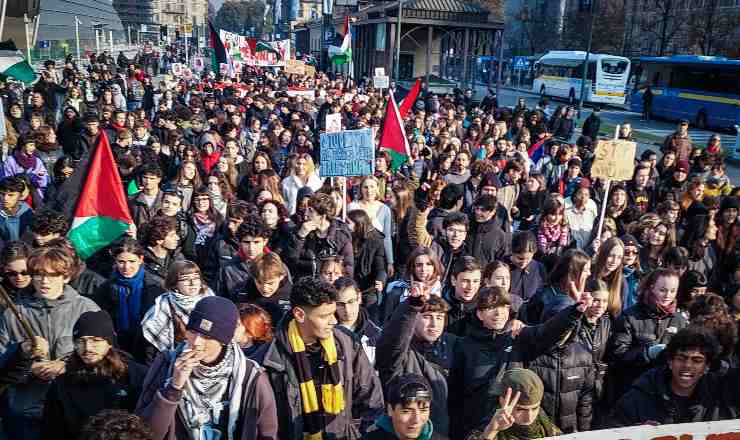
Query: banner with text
{"type": "Point", "coordinates": [241, 48]}
{"type": "Point", "coordinates": [724, 430]}
{"type": "Point", "coordinates": [347, 153]}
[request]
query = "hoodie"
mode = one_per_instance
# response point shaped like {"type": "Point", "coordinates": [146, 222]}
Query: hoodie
{"type": "Point", "coordinates": [12, 226]}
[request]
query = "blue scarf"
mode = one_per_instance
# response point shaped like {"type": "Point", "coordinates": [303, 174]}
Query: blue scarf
{"type": "Point", "coordinates": [129, 298]}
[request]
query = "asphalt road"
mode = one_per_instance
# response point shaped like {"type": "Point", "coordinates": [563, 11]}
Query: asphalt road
{"type": "Point", "coordinates": [647, 133]}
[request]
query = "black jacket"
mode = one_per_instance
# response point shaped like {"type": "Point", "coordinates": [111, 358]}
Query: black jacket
{"type": "Point", "coordinates": [638, 328]}
{"type": "Point", "coordinates": [72, 400]}
{"type": "Point", "coordinates": [223, 247]}
{"type": "Point", "coordinates": [141, 213]}
{"type": "Point", "coordinates": [483, 354]}
{"type": "Point", "coordinates": [370, 261]}
{"type": "Point", "coordinates": [567, 371]}
{"type": "Point", "coordinates": [277, 305]}
{"type": "Point", "coordinates": [303, 255]}
{"type": "Point", "coordinates": [526, 282]}
{"type": "Point", "coordinates": [363, 397]}
{"type": "Point", "coordinates": [106, 296]}
{"type": "Point", "coordinates": [591, 127]}
{"type": "Point", "coordinates": [233, 277]}
{"type": "Point", "coordinates": [716, 397]}
{"type": "Point", "coordinates": [487, 242]}
{"type": "Point", "coordinates": [399, 353]}
{"type": "Point", "coordinates": [461, 314]}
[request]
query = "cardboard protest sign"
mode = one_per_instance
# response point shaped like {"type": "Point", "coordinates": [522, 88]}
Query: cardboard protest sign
{"type": "Point", "coordinates": [501, 125]}
{"type": "Point", "coordinates": [614, 160]}
{"type": "Point", "coordinates": [310, 70]}
{"type": "Point", "coordinates": [333, 123]}
{"type": "Point", "coordinates": [381, 82]}
{"type": "Point", "coordinates": [177, 69]}
{"type": "Point", "coordinates": [295, 67]}
{"type": "Point", "coordinates": [347, 153]}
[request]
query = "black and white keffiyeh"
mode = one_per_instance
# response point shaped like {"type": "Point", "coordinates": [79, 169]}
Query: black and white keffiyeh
{"type": "Point", "coordinates": [158, 324]}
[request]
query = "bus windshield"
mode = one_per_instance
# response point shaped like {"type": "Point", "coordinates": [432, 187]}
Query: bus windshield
{"type": "Point", "coordinates": [614, 66]}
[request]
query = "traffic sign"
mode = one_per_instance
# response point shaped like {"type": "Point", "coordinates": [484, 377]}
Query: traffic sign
{"type": "Point", "coordinates": [521, 63]}
{"type": "Point", "coordinates": [44, 44]}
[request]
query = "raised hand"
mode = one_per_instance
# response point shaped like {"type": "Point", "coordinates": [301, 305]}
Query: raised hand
{"type": "Point", "coordinates": [504, 416]}
{"type": "Point", "coordinates": [184, 365]}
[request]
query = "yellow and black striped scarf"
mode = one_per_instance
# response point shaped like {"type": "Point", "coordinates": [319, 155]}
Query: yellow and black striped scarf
{"type": "Point", "coordinates": [332, 391]}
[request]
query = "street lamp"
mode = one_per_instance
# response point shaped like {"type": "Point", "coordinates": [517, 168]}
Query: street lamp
{"type": "Point", "coordinates": [398, 40]}
{"type": "Point", "coordinates": [585, 62]}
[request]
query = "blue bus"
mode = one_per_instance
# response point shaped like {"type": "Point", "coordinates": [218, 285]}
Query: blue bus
{"type": "Point", "coordinates": [702, 90]}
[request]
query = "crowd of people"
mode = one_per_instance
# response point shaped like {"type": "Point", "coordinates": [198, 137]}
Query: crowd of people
{"type": "Point", "coordinates": [474, 291]}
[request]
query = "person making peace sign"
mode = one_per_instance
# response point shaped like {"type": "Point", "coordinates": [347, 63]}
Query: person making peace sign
{"type": "Point", "coordinates": [519, 416]}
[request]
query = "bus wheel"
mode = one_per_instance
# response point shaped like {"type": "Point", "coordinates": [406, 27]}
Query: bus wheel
{"type": "Point", "coordinates": [701, 119]}
{"type": "Point", "coordinates": [542, 91]}
{"type": "Point", "coordinates": [572, 97]}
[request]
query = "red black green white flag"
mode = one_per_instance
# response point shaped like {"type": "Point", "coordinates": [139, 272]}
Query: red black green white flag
{"type": "Point", "coordinates": [102, 214]}
{"type": "Point", "coordinates": [393, 139]}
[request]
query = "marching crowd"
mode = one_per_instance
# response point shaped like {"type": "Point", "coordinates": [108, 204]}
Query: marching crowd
{"type": "Point", "coordinates": [474, 289]}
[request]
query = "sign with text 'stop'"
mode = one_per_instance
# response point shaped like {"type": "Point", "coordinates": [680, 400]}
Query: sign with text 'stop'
{"type": "Point", "coordinates": [347, 153]}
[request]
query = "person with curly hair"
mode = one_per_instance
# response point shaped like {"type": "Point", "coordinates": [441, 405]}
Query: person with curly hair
{"type": "Point", "coordinates": [309, 347]}
{"type": "Point", "coordinates": [252, 235]}
{"type": "Point", "coordinates": [116, 424]}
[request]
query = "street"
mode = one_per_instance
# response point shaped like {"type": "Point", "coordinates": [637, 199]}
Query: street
{"type": "Point", "coordinates": [647, 133]}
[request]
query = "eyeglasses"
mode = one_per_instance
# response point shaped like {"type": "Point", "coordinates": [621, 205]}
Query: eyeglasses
{"type": "Point", "coordinates": [12, 273]}
{"type": "Point", "coordinates": [189, 280]}
{"type": "Point", "coordinates": [47, 275]}
{"type": "Point", "coordinates": [455, 231]}
{"type": "Point", "coordinates": [626, 253]}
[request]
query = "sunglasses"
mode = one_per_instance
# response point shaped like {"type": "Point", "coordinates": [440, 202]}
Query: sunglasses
{"type": "Point", "coordinates": [12, 273]}
{"type": "Point", "coordinates": [630, 252]}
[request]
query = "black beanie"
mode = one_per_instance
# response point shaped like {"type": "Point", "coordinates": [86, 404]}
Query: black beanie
{"type": "Point", "coordinates": [98, 324]}
{"type": "Point", "coordinates": [214, 317]}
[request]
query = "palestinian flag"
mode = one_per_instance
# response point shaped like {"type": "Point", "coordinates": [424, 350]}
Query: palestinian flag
{"type": "Point", "coordinates": [14, 65]}
{"type": "Point", "coordinates": [342, 55]}
{"type": "Point", "coordinates": [393, 139]}
{"type": "Point", "coordinates": [101, 215]}
{"type": "Point", "coordinates": [219, 51]}
{"type": "Point", "coordinates": [410, 99]}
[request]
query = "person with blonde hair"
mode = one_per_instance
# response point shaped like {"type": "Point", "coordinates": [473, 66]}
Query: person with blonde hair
{"type": "Point", "coordinates": [303, 173]}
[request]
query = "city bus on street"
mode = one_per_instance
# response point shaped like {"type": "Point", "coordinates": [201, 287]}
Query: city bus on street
{"type": "Point", "coordinates": [702, 90]}
{"type": "Point", "coordinates": [559, 74]}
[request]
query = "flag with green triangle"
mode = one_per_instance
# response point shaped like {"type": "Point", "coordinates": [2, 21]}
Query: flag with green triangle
{"type": "Point", "coordinates": [102, 214]}
{"type": "Point", "coordinates": [342, 55]}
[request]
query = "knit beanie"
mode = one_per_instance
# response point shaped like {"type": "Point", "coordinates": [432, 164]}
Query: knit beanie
{"type": "Point", "coordinates": [525, 381]}
{"type": "Point", "coordinates": [214, 317]}
{"type": "Point", "coordinates": [97, 324]}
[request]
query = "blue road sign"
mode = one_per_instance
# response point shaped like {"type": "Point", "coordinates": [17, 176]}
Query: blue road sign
{"type": "Point", "coordinates": [44, 44]}
{"type": "Point", "coordinates": [521, 63]}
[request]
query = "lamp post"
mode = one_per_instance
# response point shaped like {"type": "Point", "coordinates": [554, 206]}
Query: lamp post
{"type": "Point", "coordinates": [398, 41]}
{"type": "Point", "coordinates": [585, 61]}
{"type": "Point", "coordinates": [77, 38]}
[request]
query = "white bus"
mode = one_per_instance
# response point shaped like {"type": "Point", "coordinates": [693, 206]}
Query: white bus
{"type": "Point", "coordinates": [559, 74]}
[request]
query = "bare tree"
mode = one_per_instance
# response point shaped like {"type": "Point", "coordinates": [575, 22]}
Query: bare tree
{"type": "Point", "coordinates": [608, 28]}
{"type": "Point", "coordinates": [662, 21]}
{"type": "Point", "coordinates": [710, 30]}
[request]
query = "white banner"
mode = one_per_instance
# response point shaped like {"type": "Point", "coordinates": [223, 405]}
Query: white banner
{"type": "Point", "coordinates": [725, 430]}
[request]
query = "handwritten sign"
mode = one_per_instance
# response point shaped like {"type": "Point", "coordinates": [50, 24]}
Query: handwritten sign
{"type": "Point", "coordinates": [310, 71]}
{"type": "Point", "coordinates": [295, 67]}
{"type": "Point", "coordinates": [614, 160]}
{"type": "Point", "coordinates": [333, 123]}
{"type": "Point", "coordinates": [724, 430]}
{"type": "Point", "coordinates": [177, 69]}
{"type": "Point", "coordinates": [347, 153]}
{"type": "Point", "coordinates": [501, 127]}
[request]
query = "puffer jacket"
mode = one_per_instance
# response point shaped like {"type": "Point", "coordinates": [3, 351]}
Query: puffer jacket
{"type": "Point", "coordinates": [223, 247]}
{"type": "Point", "coordinates": [568, 372]}
{"type": "Point", "coordinates": [650, 399]}
{"type": "Point", "coordinates": [303, 255]}
{"type": "Point", "coordinates": [363, 397]}
{"type": "Point", "coordinates": [482, 355]}
{"type": "Point", "coordinates": [399, 353]}
{"type": "Point", "coordinates": [487, 242]}
{"type": "Point", "coordinates": [638, 328]}
{"type": "Point", "coordinates": [23, 400]}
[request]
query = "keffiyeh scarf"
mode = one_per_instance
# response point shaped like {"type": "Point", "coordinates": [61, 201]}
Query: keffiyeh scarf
{"type": "Point", "coordinates": [158, 324]}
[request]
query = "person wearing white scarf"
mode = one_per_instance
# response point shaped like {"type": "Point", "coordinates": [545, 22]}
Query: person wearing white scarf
{"type": "Point", "coordinates": [158, 324]}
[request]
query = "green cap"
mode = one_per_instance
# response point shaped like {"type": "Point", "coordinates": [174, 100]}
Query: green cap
{"type": "Point", "coordinates": [525, 381]}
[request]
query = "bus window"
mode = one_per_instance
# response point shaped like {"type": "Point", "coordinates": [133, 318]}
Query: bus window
{"type": "Point", "coordinates": [614, 67]}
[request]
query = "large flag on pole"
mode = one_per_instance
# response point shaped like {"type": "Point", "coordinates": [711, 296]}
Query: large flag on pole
{"type": "Point", "coordinates": [408, 102]}
{"type": "Point", "coordinates": [343, 55]}
{"type": "Point", "coordinates": [102, 214]}
{"type": "Point", "coordinates": [14, 65]}
{"type": "Point", "coordinates": [393, 139]}
{"type": "Point", "coordinates": [219, 51]}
